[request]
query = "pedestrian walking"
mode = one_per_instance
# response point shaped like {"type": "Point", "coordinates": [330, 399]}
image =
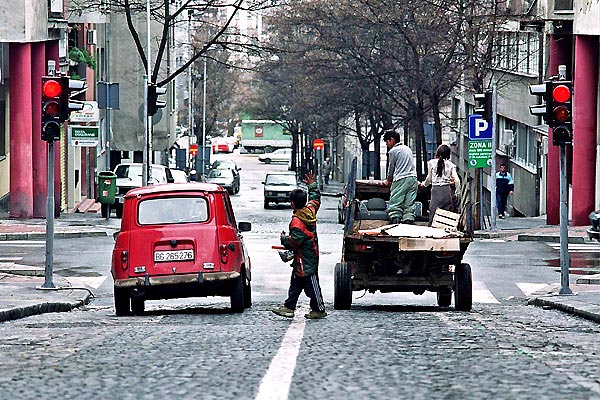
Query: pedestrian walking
{"type": "Point", "coordinates": [327, 170]}
{"type": "Point", "coordinates": [402, 179]}
{"type": "Point", "coordinates": [302, 240]}
{"type": "Point", "coordinates": [444, 180]}
{"type": "Point", "coordinates": [504, 187]}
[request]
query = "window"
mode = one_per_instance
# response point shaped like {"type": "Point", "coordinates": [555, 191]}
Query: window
{"type": "Point", "coordinates": [517, 52]}
{"type": "Point", "coordinates": [3, 141]}
{"type": "Point", "coordinates": [525, 142]}
{"type": "Point", "coordinates": [173, 210]}
{"type": "Point", "coordinates": [563, 5]}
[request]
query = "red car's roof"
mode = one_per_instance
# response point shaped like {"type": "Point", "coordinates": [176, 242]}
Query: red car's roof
{"type": "Point", "coordinates": [175, 187]}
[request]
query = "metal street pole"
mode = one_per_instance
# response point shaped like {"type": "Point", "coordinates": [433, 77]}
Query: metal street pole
{"type": "Point", "coordinates": [493, 205]}
{"type": "Point", "coordinates": [147, 155]}
{"type": "Point", "coordinates": [48, 282]}
{"type": "Point", "coordinates": [564, 229]}
{"type": "Point", "coordinates": [203, 118]}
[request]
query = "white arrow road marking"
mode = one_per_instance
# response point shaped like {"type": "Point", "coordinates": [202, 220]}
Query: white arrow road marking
{"type": "Point", "coordinates": [528, 288]}
{"type": "Point", "coordinates": [23, 243]}
{"type": "Point", "coordinates": [275, 385]}
{"type": "Point", "coordinates": [93, 282]}
{"type": "Point", "coordinates": [3, 258]}
{"type": "Point", "coordinates": [481, 294]}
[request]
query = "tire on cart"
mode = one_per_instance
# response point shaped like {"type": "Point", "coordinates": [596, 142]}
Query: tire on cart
{"type": "Point", "coordinates": [463, 288]}
{"type": "Point", "coordinates": [342, 299]}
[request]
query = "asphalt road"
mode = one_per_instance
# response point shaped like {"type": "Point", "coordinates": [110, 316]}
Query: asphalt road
{"type": "Point", "coordinates": [386, 346]}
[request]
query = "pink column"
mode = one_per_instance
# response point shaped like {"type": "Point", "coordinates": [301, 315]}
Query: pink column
{"type": "Point", "coordinates": [40, 164]}
{"type": "Point", "coordinates": [560, 53]}
{"type": "Point", "coordinates": [21, 176]}
{"type": "Point", "coordinates": [584, 128]}
{"type": "Point", "coordinates": [52, 54]}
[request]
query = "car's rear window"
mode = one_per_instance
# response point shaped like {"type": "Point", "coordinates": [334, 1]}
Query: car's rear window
{"type": "Point", "coordinates": [281, 179]}
{"type": "Point", "coordinates": [172, 210]}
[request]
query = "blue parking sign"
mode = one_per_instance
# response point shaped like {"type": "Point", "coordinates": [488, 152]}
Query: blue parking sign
{"type": "Point", "coordinates": [479, 129]}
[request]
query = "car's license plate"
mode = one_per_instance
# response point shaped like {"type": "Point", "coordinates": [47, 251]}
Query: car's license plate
{"type": "Point", "coordinates": [173, 255]}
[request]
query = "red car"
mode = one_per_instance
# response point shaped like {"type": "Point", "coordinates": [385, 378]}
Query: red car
{"type": "Point", "coordinates": [222, 145]}
{"type": "Point", "coordinates": [179, 240]}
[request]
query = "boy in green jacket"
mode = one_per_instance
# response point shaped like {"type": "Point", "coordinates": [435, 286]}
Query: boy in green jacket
{"type": "Point", "coordinates": [303, 240]}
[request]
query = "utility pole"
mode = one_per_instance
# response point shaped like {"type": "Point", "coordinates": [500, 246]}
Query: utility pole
{"type": "Point", "coordinates": [493, 205]}
{"type": "Point", "coordinates": [147, 154]}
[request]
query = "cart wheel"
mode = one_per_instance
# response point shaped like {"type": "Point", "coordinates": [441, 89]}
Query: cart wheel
{"type": "Point", "coordinates": [444, 297]}
{"type": "Point", "coordinates": [463, 289]}
{"type": "Point", "coordinates": [342, 298]}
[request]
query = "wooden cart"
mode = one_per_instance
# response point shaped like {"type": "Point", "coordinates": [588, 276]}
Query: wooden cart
{"type": "Point", "coordinates": [379, 256]}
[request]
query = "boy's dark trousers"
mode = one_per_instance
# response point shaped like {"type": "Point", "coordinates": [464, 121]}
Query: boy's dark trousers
{"type": "Point", "coordinates": [310, 285]}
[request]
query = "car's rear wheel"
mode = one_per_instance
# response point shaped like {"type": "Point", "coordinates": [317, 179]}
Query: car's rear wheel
{"type": "Point", "coordinates": [122, 302]}
{"type": "Point", "coordinates": [342, 297]}
{"type": "Point", "coordinates": [267, 161]}
{"type": "Point", "coordinates": [137, 305]}
{"type": "Point", "coordinates": [266, 205]}
{"type": "Point", "coordinates": [463, 290]}
{"type": "Point", "coordinates": [268, 149]}
{"type": "Point", "coordinates": [237, 295]}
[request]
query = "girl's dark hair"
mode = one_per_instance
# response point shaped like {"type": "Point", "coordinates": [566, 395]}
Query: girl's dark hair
{"type": "Point", "coordinates": [442, 153]}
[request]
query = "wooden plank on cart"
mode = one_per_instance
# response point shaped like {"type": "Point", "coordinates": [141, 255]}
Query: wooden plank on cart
{"type": "Point", "coordinates": [445, 219]}
{"type": "Point", "coordinates": [429, 244]}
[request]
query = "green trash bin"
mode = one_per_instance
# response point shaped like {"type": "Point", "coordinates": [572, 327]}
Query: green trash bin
{"type": "Point", "coordinates": [107, 187]}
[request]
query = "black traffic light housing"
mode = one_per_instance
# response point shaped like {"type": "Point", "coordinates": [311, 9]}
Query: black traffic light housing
{"type": "Point", "coordinates": [561, 120]}
{"type": "Point", "coordinates": [52, 93]}
{"type": "Point", "coordinates": [483, 105]}
{"type": "Point", "coordinates": [153, 102]}
{"type": "Point", "coordinates": [57, 104]}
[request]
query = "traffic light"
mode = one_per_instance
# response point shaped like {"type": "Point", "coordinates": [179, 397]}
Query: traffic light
{"type": "Point", "coordinates": [153, 102]}
{"type": "Point", "coordinates": [68, 87]}
{"type": "Point", "coordinates": [544, 110]}
{"type": "Point", "coordinates": [52, 92]}
{"type": "Point", "coordinates": [562, 113]}
{"type": "Point", "coordinates": [483, 105]}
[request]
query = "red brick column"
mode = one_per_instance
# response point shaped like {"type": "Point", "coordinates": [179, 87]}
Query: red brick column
{"type": "Point", "coordinates": [585, 104]}
{"type": "Point", "coordinates": [39, 147]}
{"type": "Point", "coordinates": [21, 175]}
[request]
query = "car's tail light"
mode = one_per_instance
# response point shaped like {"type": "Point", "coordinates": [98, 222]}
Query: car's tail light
{"type": "Point", "coordinates": [224, 251]}
{"type": "Point", "coordinates": [124, 259]}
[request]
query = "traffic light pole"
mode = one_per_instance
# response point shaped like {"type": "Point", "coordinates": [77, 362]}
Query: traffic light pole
{"type": "Point", "coordinates": [564, 229]}
{"type": "Point", "coordinates": [494, 206]}
{"type": "Point", "coordinates": [48, 281]}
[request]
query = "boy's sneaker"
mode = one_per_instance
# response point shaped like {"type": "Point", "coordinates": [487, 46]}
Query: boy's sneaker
{"type": "Point", "coordinates": [284, 311]}
{"type": "Point", "coordinates": [315, 314]}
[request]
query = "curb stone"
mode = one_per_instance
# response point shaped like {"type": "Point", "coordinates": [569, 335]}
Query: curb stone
{"type": "Point", "coordinates": [36, 309]}
{"type": "Point", "coordinates": [573, 307]}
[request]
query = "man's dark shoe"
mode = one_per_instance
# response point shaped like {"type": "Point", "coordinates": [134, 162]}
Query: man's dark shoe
{"type": "Point", "coordinates": [315, 314]}
{"type": "Point", "coordinates": [396, 220]}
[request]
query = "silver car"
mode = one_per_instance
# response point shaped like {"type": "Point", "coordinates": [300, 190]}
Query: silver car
{"type": "Point", "coordinates": [278, 186]}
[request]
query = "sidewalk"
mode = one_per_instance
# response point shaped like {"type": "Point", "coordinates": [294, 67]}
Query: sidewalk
{"type": "Point", "coordinates": [20, 296]}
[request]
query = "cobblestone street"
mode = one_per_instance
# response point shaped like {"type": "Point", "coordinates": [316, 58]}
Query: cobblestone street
{"type": "Point", "coordinates": [498, 351]}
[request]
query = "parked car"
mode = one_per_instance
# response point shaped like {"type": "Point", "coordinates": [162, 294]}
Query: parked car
{"type": "Point", "coordinates": [594, 230]}
{"type": "Point", "coordinates": [221, 145]}
{"type": "Point", "coordinates": [129, 176]}
{"type": "Point", "coordinates": [179, 176]}
{"type": "Point", "coordinates": [179, 241]}
{"type": "Point", "coordinates": [278, 156]}
{"type": "Point", "coordinates": [225, 164]}
{"type": "Point", "coordinates": [278, 186]}
{"type": "Point", "coordinates": [227, 178]}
